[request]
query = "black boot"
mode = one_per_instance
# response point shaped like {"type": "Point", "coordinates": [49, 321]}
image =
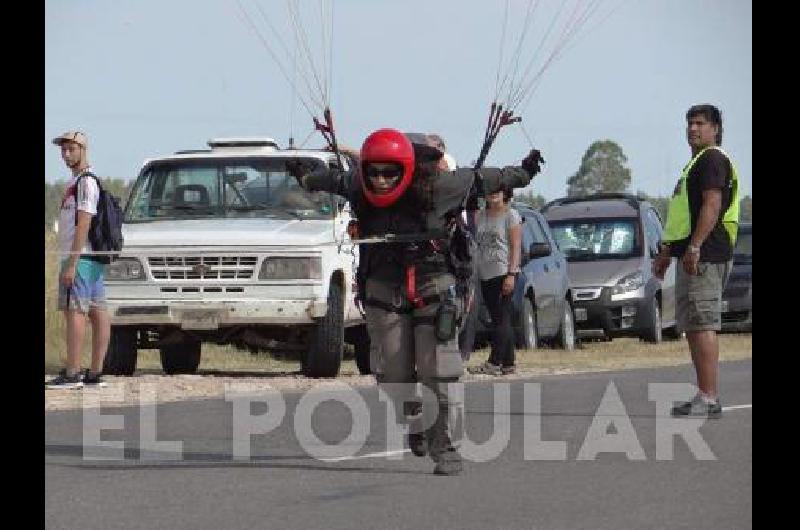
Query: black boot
{"type": "Point", "coordinates": [415, 438]}
{"type": "Point", "coordinates": [417, 443]}
{"type": "Point", "coordinates": [448, 461]}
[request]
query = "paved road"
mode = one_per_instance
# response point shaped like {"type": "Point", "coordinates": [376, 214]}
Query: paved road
{"type": "Point", "coordinates": [280, 485]}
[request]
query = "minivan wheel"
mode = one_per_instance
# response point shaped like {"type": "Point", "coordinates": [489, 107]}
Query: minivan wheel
{"type": "Point", "coordinates": [653, 332]}
{"type": "Point", "coordinates": [566, 331]}
{"type": "Point", "coordinates": [528, 338]}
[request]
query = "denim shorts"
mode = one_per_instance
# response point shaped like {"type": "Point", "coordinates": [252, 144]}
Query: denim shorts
{"type": "Point", "coordinates": [87, 290]}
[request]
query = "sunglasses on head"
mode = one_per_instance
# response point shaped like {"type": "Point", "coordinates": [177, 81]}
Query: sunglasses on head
{"type": "Point", "coordinates": [391, 172]}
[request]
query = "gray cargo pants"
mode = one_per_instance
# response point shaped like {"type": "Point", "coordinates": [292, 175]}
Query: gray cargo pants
{"type": "Point", "coordinates": [404, 349]}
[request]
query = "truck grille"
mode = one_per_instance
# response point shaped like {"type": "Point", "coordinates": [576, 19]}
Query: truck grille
{"type": "Point", "coordinates": [202, 267]}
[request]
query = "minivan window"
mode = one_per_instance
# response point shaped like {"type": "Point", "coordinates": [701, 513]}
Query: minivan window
{"type": "Point", "coordinates": [653, 227]}
{"type": "Point", "coordinates": [593, 239]}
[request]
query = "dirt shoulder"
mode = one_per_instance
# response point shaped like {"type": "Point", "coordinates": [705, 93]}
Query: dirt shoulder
{"type": "Point", "coordinates": [218, 375]}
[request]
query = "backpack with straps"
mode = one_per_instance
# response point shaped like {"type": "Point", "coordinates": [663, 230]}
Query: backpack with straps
{"type": "Point", "coordinates": [105, 232]}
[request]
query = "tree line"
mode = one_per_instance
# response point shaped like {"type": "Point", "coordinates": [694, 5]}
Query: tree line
{"type": "Point", "coordinates": [604, 169]}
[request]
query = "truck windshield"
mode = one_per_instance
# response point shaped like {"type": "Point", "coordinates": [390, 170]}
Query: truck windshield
{"type": "Point", "coordinates": [224, 187]}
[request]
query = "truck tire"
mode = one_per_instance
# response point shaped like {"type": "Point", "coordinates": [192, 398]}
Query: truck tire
{"type": "Point", "coordinates": [121, 355]}
{"type": "Point", "coordinates": [324, 355]}
{"type": "Point", "coordinates": [181, 358]}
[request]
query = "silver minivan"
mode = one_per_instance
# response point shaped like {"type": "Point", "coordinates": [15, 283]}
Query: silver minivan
{"type": "Point", "coordinates": [610, 241]}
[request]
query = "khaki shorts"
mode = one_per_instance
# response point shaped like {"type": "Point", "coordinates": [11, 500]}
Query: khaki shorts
{"type": "Point", "coordinates": [699, 298]}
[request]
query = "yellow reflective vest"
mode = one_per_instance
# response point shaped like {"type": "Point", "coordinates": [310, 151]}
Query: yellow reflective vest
{"type": "Point", "coordinates": [679, 218]}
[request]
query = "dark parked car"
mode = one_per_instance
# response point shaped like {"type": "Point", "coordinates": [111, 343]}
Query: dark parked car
{"type": "Point", "coordinates": [737, 299]}
{"type": "Point", "coordinates": [610, 241]}
{"type": "Point", "coordinates": [542, 300]}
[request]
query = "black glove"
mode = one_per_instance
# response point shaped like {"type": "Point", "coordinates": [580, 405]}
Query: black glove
{"type": "Point", "coordinates": [531, 162]}
{"type": "Point", "coordinates": [297, 169]}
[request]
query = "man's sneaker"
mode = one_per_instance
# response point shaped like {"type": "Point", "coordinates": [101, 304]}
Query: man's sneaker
{"type": "Point", "coordinates": [488, 368]}
{"type": "Point", "coordinates": [65, 381]}
{"type": "Point", "coordinates": [698, 408]}
{"type": "Point", "coordinates": [93, 380]}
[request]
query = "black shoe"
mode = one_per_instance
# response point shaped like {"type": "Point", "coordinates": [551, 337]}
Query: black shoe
{"type": "Point", "coordinates": [65, 381]}
{"type": "Point", "coordinates": [93, 380]}
{"type": "Point", "coordinates": [417, 443]}
{"type": "Point", "coordinates": [698, 408]}
{"type": "Point", "coordinates": [448, 463]}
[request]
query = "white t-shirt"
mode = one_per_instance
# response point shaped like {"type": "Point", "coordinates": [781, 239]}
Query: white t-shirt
{"type": "Point", "coordinates": [87, 194]}
{"type": "Point", "coordinates": [493, 234]}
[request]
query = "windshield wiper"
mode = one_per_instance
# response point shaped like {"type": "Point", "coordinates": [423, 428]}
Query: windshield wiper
{"type": "Point", "coordinates": [188, 207]}
{"type": "Point", "coordinates": [248, 207]}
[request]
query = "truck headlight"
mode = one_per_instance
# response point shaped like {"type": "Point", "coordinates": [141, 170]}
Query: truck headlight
{"type": "Point", "coordinates": [629, 283]}
{"type": "Point", "coordinates": [125, 269]}
{"type": "Point", "coordinates": [285, 268]}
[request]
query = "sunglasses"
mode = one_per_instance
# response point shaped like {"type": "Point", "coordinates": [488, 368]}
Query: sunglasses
{"type": "Point", "coordinates": [391, 172]}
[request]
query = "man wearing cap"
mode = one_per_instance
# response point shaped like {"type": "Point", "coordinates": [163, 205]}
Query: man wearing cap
{"type": "Point", "coordinates": [80, 289]}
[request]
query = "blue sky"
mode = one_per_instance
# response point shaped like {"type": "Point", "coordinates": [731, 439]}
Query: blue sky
{"type": "Point", "coordinates": [144, 78]}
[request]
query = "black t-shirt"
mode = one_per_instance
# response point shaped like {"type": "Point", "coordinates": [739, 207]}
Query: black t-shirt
{"type": "Point", "coordinates": [712, 170]}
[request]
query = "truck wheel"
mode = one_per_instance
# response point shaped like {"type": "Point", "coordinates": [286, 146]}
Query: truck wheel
{"type": "Point", "coordinates": [120, 357]}
{"type": "Point", "coordinates": [324, 355]}
{"type": "Point", "coordinates": [181, 358]}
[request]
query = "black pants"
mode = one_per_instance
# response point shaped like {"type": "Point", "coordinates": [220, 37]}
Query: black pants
{"type": "Point", "coordinates": [501, 309]}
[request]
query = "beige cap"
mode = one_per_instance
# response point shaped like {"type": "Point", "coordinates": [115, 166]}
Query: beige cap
{"type": "Point", "coordinates": [72, 136]}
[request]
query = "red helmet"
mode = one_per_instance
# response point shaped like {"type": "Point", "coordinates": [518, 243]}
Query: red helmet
{"type": "Point", "coordinates": [387, 145]}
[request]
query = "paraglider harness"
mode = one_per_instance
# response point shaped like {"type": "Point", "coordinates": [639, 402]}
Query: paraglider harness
{"type": "Point", "coordinates": [452, 250]}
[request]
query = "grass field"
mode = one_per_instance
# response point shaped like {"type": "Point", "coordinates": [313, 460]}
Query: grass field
{"type": "Point", "coordinates": [617, 354]}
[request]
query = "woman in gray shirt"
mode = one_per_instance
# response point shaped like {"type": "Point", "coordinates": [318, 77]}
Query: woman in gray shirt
{"type": "Point", "coordinates": [499, 237]}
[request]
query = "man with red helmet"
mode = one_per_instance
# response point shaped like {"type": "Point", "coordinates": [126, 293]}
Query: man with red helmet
{"type": "Point", "coordinates": [398, 190]}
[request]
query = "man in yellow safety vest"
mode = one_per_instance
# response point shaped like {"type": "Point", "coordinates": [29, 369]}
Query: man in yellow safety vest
{"type": "Point", "coordinates": [702, 222]}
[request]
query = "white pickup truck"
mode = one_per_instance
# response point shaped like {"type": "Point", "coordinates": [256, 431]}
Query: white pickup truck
{"type": "Point", "coordinates": [223, 246]}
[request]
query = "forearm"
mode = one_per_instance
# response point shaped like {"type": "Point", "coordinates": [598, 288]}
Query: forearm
{"type": "Point", "coordinates": [81, 236]}
{"type": "Point", "coordinates": [515, 248]}
{"type": "Point", "coordinates": [330, 180]}
{"type": "Point", "coordinates": [510, 177]}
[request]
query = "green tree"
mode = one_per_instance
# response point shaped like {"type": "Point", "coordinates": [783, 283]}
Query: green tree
{"type": "Point", "coordinates": [746, 209]}
{"type": "Point", "coordinates": [534, 201]}
{"type": "Point", "coordinates": [603, 169]}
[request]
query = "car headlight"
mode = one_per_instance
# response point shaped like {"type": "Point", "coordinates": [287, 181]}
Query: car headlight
{"type": "Point", "coordinates": [308, 268]}
{"type": "Point", "coordinates": [125, 269]}
{"type": "Point", "coordinates": [629, 283]}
